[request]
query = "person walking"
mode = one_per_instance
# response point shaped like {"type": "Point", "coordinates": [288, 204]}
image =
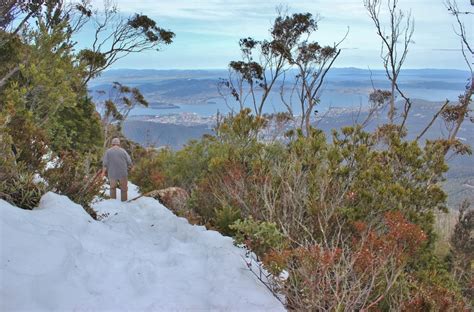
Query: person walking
{"type": "Point", "coordinates": [116, 163]}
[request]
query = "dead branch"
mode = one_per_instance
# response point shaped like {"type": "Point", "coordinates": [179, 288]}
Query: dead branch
{"type": "Point", "coordinates": [435, 116]}
{"type": "Point", "coordinates": [394, 56]}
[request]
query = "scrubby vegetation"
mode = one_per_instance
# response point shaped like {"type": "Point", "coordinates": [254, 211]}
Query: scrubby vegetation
{"type": "Point", "coordinates": [349, 217]}
{"type": "Point", "coordinates": [363, 202]}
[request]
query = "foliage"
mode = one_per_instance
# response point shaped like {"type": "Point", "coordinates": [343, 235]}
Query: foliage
{"type": "Point", "coordinates": [80, 128]}
{"type": "Point", "coordinates": [114, 110]}
{"type": "Point", "coordinates": [10, 52]}
{"type": "Point", "coordinates": [461, 257]}
{"type": "Point", "coordinates": [22, 156]}
{"type": "Point", "coordinates": [134, 34]}
{"type": "Point", "coordinates": [392, 178]}
{"type": "Point", "coordinates": [47, 101]}
{"type": "Point", "coordinates": [73, 175]}
{"type": "Point", "coordinates": [366, 200]}
{"type": "Point", "coordinates": [369, 271]}
{"type": "Point", "coordinates": [266, 63]}
{"type": "Point", "coordinates": [260, 237]}
{"type": "Point", "coordinates": [28, 146]}
{"type": "Point", "coordinates": [225, 218]}
{"type": "Point", "coordinates": [47, 89]}
{"type": "Point", "coordinates": [149, 173]}
{"type": "Point", "coordinates": [20, 187]}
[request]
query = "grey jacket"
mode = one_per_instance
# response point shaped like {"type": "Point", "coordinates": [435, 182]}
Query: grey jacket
{"type": "Point", "coordinates": [117, 161]}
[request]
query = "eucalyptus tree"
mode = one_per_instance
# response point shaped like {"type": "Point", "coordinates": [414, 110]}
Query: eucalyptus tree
{"type": "Point", "coordinates": [290, 60]}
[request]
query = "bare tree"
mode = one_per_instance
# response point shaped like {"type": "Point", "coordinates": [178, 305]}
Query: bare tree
{"type": "Point", "coordinates": [312, 62]}
{"type": "Point", "coordinates": [455, 115]}
{"type": "Point", "coordinates": [394, 50]}
{"type": "Point", "coordinates": [432, 121]}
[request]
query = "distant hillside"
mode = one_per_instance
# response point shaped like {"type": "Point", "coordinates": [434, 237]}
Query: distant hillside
{"type": "Point", "coordinates": [141, 76]}
{"type": "Point", "coordinates": [199, 86]}
{"type": "Point", "coordinates": [131, 75]}
{"type": "Point", "coordinates": [160, 134]}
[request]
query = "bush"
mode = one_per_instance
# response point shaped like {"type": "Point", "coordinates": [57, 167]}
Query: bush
{"type": "Point", "coordinates": [29, 145]}
{"type": "Point", "coordinates": [156, 169]}
{"type": "Point", "coordinates": [150, 171]}
{"type": "Point", "coordinates": [461, 256]}
{"type": "Point", "coordinates": [260, 237]}
{"type": "Point", "coordinates": [75, 176]}
{"type": "Point", "coordinates": [315, 189]}
{"type": "Point", "coordinates": [225, 217]}
{"type": "Point", "coordinates": [20, 188]}
{"type": "Point", "coordinates": [21, 163]}
{"type": "Point", "coordinates": [368, 269]}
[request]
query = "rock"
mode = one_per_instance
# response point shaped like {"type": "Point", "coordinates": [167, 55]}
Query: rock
{"type": "Point", "coordinates": [174, 198]}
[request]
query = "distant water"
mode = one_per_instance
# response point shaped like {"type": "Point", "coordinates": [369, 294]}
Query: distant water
{"type": "Point", "coordinates": [343, 87]}
{"type": "Point", "coordinates": [329, 98]}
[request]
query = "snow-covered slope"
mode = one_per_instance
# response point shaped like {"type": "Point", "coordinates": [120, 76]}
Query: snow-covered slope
{"type": "Point", "coordinates": [140, 258]}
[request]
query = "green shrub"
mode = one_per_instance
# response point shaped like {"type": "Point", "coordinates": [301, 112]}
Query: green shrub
{"type": "Point", "coordinates": [28, 145]}
{"type": "Point", "coordinates": [19, 164]}
{"type": "Point", "coordinates": [150, 170]}
{"type": "Point", "coordinates": [225, 217]}
{"type": "Point", "coordinates": [260, 237]}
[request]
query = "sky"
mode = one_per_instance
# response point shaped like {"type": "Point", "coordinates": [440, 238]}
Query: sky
{"type": "Point", "coordinates": [208, 31]}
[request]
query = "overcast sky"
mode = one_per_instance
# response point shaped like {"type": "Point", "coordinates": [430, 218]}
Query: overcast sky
{"type": "Point", "coordinates": [208, 31]}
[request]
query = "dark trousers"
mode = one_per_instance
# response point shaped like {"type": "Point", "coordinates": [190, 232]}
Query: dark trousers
{"type": "Point", "coordinates": [123, 188]}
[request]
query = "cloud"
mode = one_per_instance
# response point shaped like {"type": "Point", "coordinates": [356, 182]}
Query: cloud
{"type": "Point", "coordinates": [213, 27]}
{"type": "Point", "coordinates": [197, 9]}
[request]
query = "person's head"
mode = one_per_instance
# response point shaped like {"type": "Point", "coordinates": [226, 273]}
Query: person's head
{"type": "Point", "coordinates": [115, 142]}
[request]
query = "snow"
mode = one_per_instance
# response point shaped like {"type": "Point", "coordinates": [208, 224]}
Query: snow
{"type": "Point", "coordinates": [140, 257]}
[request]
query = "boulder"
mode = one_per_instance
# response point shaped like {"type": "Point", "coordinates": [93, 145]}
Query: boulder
{"type": "Point", "coordinates": [173, 198]}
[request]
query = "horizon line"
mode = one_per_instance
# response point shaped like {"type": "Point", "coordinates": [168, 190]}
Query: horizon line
{"type": "Point", "coordinates": [220, 68]}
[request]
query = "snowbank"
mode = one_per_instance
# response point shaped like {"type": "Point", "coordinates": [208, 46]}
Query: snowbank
{"type": "Point", "coordinates": [140, 257]}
